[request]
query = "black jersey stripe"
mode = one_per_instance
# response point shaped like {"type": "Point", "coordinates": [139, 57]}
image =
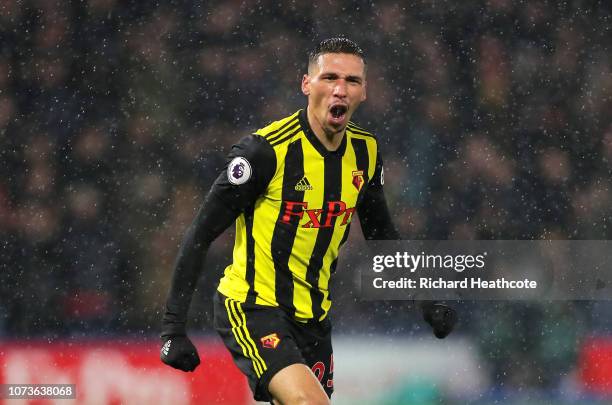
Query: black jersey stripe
{"type": "Point", "coordinates": [359, 132]}
{"type": "Point", "coordinates": [356, 132]}
{"type": "Point", "coordinates": [284, 233]}
{"type": "Point", "coordinates": [290, 119]}
{"type": "Point", "coordinates": [359, 129]}
{"type": "Point", "coordinates": [334, 264]}
{"type": "Point", "coordinates": [363, 163]}
{"type": "Point", "coordinates": [362, 159]}
{"type": "Point", "coordinates": [332, 191]}
{"type": "Point", "coordinates": [354, 125]}
{"type": "Point", "coordinates": [291, 135]}
{"type": "Point", "coordinates": [250, 254]}
{"type": "Point", "coordinates": [287, 126]}
{"type": "Point", "coordinates": [290, 128]}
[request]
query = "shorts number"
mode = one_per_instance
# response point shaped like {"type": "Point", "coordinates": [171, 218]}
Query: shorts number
{"type": "Point", "coordinates": [319, 370]}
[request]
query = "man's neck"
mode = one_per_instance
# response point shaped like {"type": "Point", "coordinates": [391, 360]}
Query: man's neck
{"type": "Point", "coordinates": [331, 141]}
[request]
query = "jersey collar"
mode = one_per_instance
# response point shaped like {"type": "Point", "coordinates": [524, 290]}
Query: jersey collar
{"type": "Point", "coordinates": [310, 135]}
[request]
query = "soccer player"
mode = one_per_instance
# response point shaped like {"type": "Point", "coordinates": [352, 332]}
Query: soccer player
{"type": "Point", "coordinates": [292, 188]}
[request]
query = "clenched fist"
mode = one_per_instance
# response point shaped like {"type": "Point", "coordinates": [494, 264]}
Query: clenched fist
{"type": "Point", "coordinates": [178, 352]}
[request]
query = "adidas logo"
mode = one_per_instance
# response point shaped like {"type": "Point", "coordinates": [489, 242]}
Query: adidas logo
{"type": "Point", "coordinates": [303, 185]}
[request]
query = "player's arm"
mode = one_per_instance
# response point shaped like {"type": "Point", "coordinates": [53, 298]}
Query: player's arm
{"type": "Point", "coordinates": [377, 225]}
{"type": "Point", "coordinates": [373, 211]}
{"type": "Point", "coordinates": [249, 168]}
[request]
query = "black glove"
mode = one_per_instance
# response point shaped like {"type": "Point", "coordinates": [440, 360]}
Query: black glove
{"type": "Point", "coordinates": [440, 317]}
{"type": "Point", "coordinates": [178, 352]}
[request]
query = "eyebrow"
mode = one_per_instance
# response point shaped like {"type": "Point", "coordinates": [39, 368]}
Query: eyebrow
{"type": "Point", "coordinates": [349, 77]}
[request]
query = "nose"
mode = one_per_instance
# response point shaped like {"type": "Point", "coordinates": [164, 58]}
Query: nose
{"type": "Point", "coordinates": [340, 88]}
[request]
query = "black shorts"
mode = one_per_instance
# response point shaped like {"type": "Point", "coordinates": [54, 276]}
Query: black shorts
{"type": "Point", "coordinates": [263, 340]}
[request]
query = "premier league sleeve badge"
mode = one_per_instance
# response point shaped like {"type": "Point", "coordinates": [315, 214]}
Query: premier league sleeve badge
{"type": "Point", "coordinates": [239, 171]}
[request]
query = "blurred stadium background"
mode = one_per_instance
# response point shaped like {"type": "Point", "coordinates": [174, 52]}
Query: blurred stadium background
{"type": "Point", "coordinates": [494, 121]}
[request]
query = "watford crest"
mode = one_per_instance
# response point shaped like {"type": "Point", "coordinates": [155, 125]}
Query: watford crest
{"type": "Point", "coordinates": [358, 179]}
{"type": "Point", "coordinates": [270, 341]}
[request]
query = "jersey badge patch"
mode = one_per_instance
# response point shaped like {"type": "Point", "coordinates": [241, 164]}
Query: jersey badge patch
{"type": "Point", "coordinates": [303, 185]}
{"type": "Point", "coordinates": [358, 179]}
{"type": "Point", "coordinates": [239, 171]}
{"type": "Point", "coordinates": [270, 341]}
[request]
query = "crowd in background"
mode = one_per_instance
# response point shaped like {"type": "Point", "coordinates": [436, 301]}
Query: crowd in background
{"type": "Point", "coordinates": [493, 119]}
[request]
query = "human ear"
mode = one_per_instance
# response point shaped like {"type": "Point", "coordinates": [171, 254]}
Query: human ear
{"type": "Point", "coordinates": [306, 85]}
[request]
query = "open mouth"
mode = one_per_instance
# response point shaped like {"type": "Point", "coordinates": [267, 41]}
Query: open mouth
{"type": "Point", "coordinates": [338, 111]}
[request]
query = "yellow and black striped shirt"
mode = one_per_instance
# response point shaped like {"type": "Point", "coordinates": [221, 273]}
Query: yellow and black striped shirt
{"type": "Point", "coordinates": [293, 202]}
{"type": "Point", "coordinates": [296, 201]}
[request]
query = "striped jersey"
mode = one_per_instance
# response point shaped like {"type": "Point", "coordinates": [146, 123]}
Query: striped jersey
{"type": "Point", "coordinates": [297, 201]}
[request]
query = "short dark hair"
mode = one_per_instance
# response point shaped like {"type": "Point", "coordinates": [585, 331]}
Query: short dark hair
{"type": "Point", "coordinates": [335, 45]}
